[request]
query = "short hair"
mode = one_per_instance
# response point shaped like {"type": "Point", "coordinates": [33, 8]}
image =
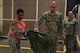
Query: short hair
{"type": "Point", "coordinates": [19, 10]}
{"type": "Point", "coordinates": [53, 3]}
{"type": "Point", "coordinates": [70, 11]}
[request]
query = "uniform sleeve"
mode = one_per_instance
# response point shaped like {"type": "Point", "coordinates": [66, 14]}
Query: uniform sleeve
{"type": "Point", "coordinates": [76, 27]}
{"type": "Point", "coordinates": [63, 32]}
{"type": "Point", "coordinates": [38, 23]}
{"type": "Point", "coordinates": [60, 25]}
{"type": "Point", "coordinates": [15, 29]}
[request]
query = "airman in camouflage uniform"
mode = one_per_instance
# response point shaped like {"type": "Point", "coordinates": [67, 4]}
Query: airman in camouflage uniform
{"type": "Point", "coordinates": [70, 31]}
{"type": "Point", "coordinates": [53, 25]}
{"type": "Point", "coordinates": [16, 30]}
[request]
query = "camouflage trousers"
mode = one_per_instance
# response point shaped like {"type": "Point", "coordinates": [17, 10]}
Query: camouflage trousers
{"type": "Point", "coordinates": [14, 44]}
{"type": "Point", "coordinates": [69, 42]}
{"type": "Point", "coordinates": [54, 41]}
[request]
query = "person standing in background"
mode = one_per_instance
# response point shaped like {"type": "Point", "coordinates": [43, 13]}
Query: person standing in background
{"type": "Point", "coordinates": [70, 31]}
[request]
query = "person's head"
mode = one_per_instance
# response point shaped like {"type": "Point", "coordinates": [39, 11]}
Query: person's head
{"type": "Point", "coordinates": [70, 14]}
{"type": "Point", "coordinates": [53, 6]}
{"type": "Point", "coordinates": [20, 14]}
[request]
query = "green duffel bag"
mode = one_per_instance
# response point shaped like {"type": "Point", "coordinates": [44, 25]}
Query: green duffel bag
{"type": "Point", "coordinates": [40, 42]}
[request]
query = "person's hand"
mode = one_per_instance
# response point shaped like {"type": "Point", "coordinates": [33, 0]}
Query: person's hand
{"type": "Point", "coordinates": [26, 30]}
{"type": "Point", "coordinates": [63, 37]}
{"type": "Point", "coordinates": [36, 30]}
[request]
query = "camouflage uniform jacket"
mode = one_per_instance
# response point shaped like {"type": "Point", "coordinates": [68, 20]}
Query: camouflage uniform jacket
{"type": "Point", "coordinates": [53, 22]}
{"type": "Point", "coordinates": [15, 29]}
{"type": "Point", "coordinates": [70, 27]}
